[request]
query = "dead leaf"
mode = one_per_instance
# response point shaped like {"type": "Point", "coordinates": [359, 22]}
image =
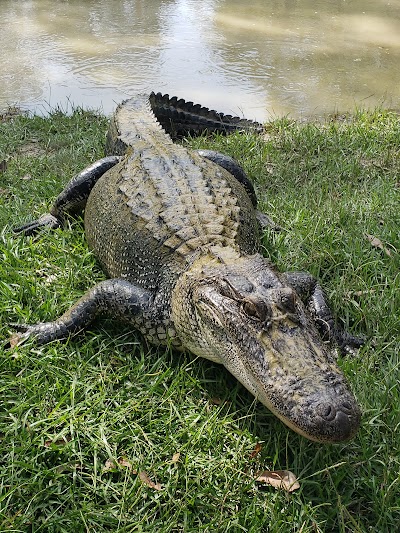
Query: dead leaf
{"type": "Point", "coordinates": [58, 442]}
{"type": "Point", "coordinates": [109, 465]}
{"type": "Point", "coordinates": [11, 112]}
{"type": "Point", "coordinates": [358, 294]}
{"type": "Point", "coordinates": [216, 401]}
{"type": "Point", "coordinates": [377, 243]}
{"type": "Point", "coordinates": [126, 464]}
{"type": "Point", "coordinates": [280, 479]}
{"type": "Point", "coordinates": [175, 457]}
{"type": "Point", "coordinates": [49, 278]}
{"type": "Point", "coordinates": [256, 451]}
{"type": "Point", "coordinates": [3, 165]}
{"type": "Point", "coordinates": [14, 340]}
{"type": "Point", "coordinates": [144, 478]}
{"type": "Point", "coordinates": [122, 461]}
{"type": "Point", "coordinates": [26, 177]}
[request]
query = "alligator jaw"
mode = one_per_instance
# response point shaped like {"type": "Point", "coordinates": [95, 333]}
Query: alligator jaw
{"type": "Point", "coordinates": [266, 338]}
{"type": "Point", "coordinates": [302, 385]}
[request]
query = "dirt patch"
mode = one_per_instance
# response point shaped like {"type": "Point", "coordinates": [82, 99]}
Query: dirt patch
{"type": "Point", "coordinates": [11, 112]}
{"type": "Point", "coordinates": [31, 148]}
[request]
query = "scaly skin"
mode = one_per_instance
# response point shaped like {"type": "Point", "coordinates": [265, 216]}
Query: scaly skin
{"type": "Point", "coordinates": [176, 231]}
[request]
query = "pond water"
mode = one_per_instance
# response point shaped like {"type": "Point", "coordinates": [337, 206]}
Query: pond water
{"type": "Point", "coordinates": [258, 59]}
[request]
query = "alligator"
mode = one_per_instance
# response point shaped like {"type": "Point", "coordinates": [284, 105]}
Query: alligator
{"type": "Point", "coordinates": [177, 233]}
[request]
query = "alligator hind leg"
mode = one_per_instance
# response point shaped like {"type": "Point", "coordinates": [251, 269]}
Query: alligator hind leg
{"type": "Point", "coordinates": [312, 294]}
{"type": "Point", "coordinates": [233, 167]}
{"type": "Point", "coordinates": [73, 198]}
{"type": "Point", "coordinates": [116, 297]}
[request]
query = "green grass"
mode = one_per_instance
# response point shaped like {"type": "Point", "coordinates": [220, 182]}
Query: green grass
{"type": "Point", "coordinates": [69, 411]}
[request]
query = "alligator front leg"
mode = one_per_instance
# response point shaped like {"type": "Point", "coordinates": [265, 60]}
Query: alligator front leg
{"type": "Point", "coordinates": [116, 297]}
{"type": "Point", "coordinates": [312, 294]}
{"type": "Point", "coordinates": [73, 198]}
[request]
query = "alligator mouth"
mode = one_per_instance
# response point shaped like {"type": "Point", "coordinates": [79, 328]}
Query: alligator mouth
{"type": "Point", "coordinates": [339, 426]}
{"type": "Point", "coordinates": [303, 386]}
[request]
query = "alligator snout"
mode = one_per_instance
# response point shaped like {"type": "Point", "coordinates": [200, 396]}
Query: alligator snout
{"type": "Point", "coordinates": [337, 422]}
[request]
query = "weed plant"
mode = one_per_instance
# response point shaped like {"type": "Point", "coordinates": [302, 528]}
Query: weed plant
{"type": "Point", "coordinates": [105, 433]}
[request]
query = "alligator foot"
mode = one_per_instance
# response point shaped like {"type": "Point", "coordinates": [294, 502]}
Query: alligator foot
{"type": "Point", "coordinates": [42, 332]}
{"type": "Point", "coordinates": [73, 198]}
{"type": "Point", "coordinates": [348, 343]}
{"type": "Point", "coordinates": [266, 222]}
{"type": "Point", "coordinates": [117, 297]}
{"type": "Point", "coordinates": [45, 221]}
{"type": "Point", "coordinates": [314, 297]}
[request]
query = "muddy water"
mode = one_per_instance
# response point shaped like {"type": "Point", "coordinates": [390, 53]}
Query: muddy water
{"type": "Point", "coordinates": [258, 58]}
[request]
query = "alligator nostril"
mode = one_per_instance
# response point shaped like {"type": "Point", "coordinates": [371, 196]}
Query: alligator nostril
{"type": "Point", "coordinates": [347, 408]}
{"type": "Point", "coordinates": [328, 412]}
{"type": "Point", "coordinates": [336, 418]}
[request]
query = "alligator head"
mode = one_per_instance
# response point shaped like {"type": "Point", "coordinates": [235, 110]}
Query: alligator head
{"type": "Point", "coordinates": [239, 312]}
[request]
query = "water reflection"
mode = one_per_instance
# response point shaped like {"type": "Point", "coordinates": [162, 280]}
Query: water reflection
{"type": "Point", "coordinates": [257, 59]}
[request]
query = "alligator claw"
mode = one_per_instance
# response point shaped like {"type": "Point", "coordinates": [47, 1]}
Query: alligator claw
{"type": "Point", "coordinates": [266, 222]}
{"type": "Point", "coordinates": [23, 332]}
{"type": "Point", "coordinates": [348, 343]}
{"type": "Point", "coordinates": [31, 228]}
{"type": "Point", "coordinates": [41, 333]}
{"type": "Point", "coordinates": [22, 328]}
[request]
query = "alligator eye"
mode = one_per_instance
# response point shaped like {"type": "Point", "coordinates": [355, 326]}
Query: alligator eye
{"type": "Point", "coordinates": [256, 309]}
{"type": "Point", "coordinates": [287, 301]}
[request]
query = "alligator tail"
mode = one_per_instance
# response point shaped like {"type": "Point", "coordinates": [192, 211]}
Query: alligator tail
{"type": "Point", "coordinates": [181, 119]}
